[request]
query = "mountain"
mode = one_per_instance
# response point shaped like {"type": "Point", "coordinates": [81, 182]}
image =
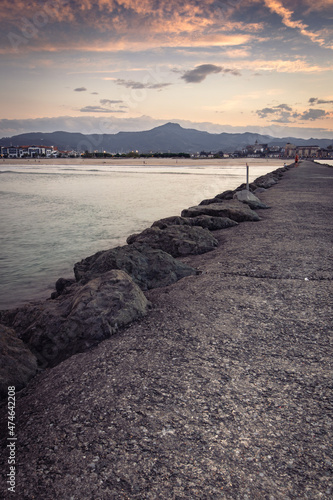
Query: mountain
{"type": "Point", "coordinates": [170, 137]}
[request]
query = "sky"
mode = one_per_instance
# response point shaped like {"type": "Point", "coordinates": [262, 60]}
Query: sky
{"type": "Point", "coordinates": [104, 66]}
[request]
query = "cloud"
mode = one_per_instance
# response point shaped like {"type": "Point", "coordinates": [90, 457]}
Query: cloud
{"type": "Point", "coordinates": [313, 114]}
{"type": "Point", "coordinates": [131, 84]}
{"type": "Point", "coordinates": [278, 114]}
{"type": "Point", "coordinates": [109, 101]}
{"type": "Point", "coordinates": [286, 14]}
{"type": "Point", "coordinates": [107, 106]}
{"type": "Point", "coordinates": [283, 113]}
{"type": "Point", "coordinates": [109, 25]}
{"type": "Point", "coordinates": [285, 107]}
{"type": "Point", "coordinates": [80, 89]}
{"type": "Point", "coordinates": [199, 73]}
{"type": "Point", "coordinates": [316, 100]}
{"type": "Point", "coordinates": [100, 109]}
{"type": "Point", "coordinates": [283, 66]}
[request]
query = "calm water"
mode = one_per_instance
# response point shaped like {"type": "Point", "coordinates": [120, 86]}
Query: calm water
{"type": "Point", "coordinates": [53, 216]}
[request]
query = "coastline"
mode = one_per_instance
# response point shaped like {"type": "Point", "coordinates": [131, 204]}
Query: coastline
{"type": "Point", "coordinates": [65, 251]}
{"type": "Point", "coordinates": [7, 316]}
{"type": "Point", "coordinates": [220, 391]}
{"type": "Point", "coordinates": [144, 161]}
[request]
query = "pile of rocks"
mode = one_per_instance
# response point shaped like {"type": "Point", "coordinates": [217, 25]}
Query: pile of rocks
{"type": "Point", "coordinates": [107, 292]}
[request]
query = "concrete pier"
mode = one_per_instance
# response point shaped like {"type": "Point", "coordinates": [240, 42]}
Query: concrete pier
{"type": "Point", "coordinates": [222, 391]}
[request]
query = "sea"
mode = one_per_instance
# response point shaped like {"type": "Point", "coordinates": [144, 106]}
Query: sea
{"type": "Point", "coordinates": [52, 216]}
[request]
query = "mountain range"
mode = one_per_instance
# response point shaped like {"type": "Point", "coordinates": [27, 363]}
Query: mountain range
{"type": "Point", "coordinates": [170, 137]}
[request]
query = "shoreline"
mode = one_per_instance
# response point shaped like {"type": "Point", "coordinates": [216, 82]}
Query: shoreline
{"type": "Point", "coordinates": [64, 285]}
{"type": "Point", "coordinates": [192, 166]}
{"type": "Point", "coordinates": [43, 299]}
{"type": "Point", "coordinates": [144, 161]}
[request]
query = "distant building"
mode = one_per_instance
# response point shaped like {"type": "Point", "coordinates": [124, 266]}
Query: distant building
{"type": "Point", "coordinates": [325, 153]}
{"type": "Point", "coordinates": [289, 150]}
{"type": "Point", "coordinates": [307, 151]}
{"type": "Point", "coordinates": [302, 151]}
{"type": "Point", "coordinates": [29, 151]}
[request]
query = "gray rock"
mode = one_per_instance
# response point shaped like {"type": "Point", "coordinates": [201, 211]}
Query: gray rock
{"type": "Point", "coordinates": [211, 201]}
{"type": "Point", "coordinates": [206, 221]}
{"type": "Point", "coordinates": [63, 286]}
{"type": "Point", "coordinates": [226, 195]}
{"type": "Point", "coordinates": [177, 240]}
{"type": "Point", "coordinates": [17, 363]}
{"type": "Point", "coordinates": [172, 221]}
{"type": "Point", "coordinates": [266, 181]}
{"type": "Point", "coordinates": [259, 190]}
{"type": "Point", "coordinates": [148, 267]}
{"type": "Point", "coordinates": [213, 223]}
{"type": "Point", "coordinates": [233, 209]}
{"type": "Point", "coordinates": [252, 187]}
{"type": "Point", "coordinates": [250, 199]}
{"type": "Point", "coordinates": [56, 329]}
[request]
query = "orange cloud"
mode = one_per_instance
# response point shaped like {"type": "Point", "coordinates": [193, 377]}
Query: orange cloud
{"type": "Point", "coordinates": [108, 25]}
{"type": "Point", "coordinates": [286, 15]}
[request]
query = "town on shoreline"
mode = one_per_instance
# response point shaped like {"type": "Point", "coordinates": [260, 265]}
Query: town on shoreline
{"type": "Point", "coordinates": [289, 151]}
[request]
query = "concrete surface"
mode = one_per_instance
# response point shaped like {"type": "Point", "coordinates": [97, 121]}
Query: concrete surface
{"type": "Point", "coordinates": [222, 391]}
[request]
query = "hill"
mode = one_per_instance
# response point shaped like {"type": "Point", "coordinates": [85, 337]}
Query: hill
{"type": "Point", "coordinates": [170, 137]}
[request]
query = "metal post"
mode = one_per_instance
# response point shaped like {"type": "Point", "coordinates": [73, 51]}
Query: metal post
{"type": "Point", "coordinates": [247, 177]}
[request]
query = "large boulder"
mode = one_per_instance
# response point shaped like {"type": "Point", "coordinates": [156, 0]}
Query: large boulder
{"type": "Point", "coordinates": [233, 209]}
{"type": "Point", "coordinates": [148, 267]}
{"type": "Point", "coordinates": [205, 221]}
{"type": "Point", "coordinates": [267, 181]}
{"type": "Point", "coordinates": [176, 240]}
{"type": "Point", "coordinates": [56, 329]}
{"type": "Point", "coordinates": [172, 221]}
{"type": "Point", "coordinates": [250, 199]}
{"type": "Point", "coordinates": [227, 195]}
{"type": "Point", "coordinates": [17, 363]}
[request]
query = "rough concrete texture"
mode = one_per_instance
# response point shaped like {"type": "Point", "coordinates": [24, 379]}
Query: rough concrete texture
{"type": "Point", "coordinates": [221, 392]}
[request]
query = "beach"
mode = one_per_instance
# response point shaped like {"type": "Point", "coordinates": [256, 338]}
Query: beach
{"type": "Point", "coordinates": [145, 161]}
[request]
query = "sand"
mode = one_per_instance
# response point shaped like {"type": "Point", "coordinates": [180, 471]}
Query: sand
{"type": "Point", "coordinates": [278, 162]}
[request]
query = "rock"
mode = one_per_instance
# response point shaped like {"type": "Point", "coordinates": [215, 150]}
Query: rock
{"type": "Point", "coordinates": [172, 221]}
{"type": "Point", "coordinates": [148, 267]}
{"type": "Point", "coordinates": [252, 187]}
{"type": "Point", "coordinates": [259, 190]}
{"type": "Point", "coordinates": [266, 181]}
{"type": "Point", "coordinates": [206, 221]}
{"type": "Point", "coordinates": [56, 329]}
{"type": "Point", "coordinates": [226, 195]}
{"type": "Point", "coordinates": [213, 223]}
{"type": "Point", "coordinates": [17, 363]}
{"type": "Point", "coordinates": [210, 201]}
{"type": "Point", "coordinates": [250, 199]}
{"type": "Point", "coordinates": [63, 286]}
{"type": "Point", "coordinates": [233, 209]}
{"type": "Point", "coordinates": [177, 240]}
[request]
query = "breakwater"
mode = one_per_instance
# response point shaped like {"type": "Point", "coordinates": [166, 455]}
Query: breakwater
{"type": "Point", "coordinates": [221, 391]}
{"type": "Point", "coordinates": [108, 290]}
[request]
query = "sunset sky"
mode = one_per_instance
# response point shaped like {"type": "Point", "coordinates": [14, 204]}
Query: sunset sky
{"type": "Point", "coordinates": [101, 66]}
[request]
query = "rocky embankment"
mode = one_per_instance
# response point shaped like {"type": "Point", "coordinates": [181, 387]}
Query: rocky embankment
{"type": "Point", "coordinates": [108, 290]}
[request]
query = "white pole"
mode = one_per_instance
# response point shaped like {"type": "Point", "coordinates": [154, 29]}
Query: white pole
{"type": "Point", "coordinates": [247, 177]}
